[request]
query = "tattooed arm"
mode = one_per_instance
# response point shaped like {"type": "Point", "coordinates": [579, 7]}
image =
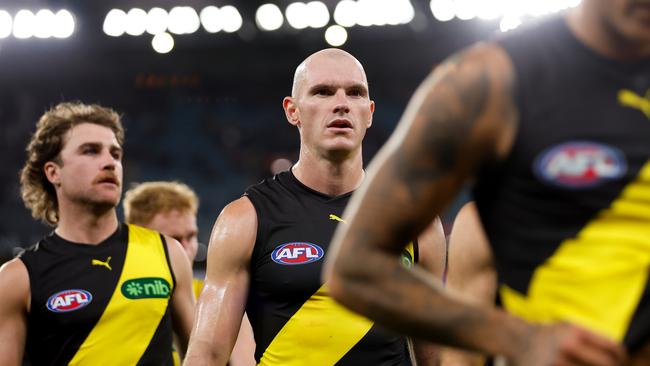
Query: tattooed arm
{"type": "Point", "coordinates": [460, 117]}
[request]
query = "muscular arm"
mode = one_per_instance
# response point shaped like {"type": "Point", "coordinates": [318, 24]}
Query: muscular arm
{"type": "Point", "coordinates": [183, 297]}
{"type": "Point", "coordinates": [243, 353]}
{"type": "Point", "coordinates": [432, 248]}
{"type": "Point", "coordinates": [14, 285]}
{"type": "Point", "coordinates": [223, 299]}
{"type": "Point", "coordinates": [461, 115]}
{"type": "Point", "coordinates": [471, 274]}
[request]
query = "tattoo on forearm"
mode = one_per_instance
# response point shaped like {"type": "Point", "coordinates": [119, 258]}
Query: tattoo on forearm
{"type": "Point", "coordinates": [445, 120]}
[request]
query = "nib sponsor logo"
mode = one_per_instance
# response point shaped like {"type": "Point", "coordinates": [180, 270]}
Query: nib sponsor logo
{"type": "Point", "coordinates": [290, 254]}
{"type": "Point", "coordinates": [68, 300]}
{"type": "Point", "coordinates": [146, 288]}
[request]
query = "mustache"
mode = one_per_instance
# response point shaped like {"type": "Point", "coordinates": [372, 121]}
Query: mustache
{"type": "Point", "coordinates": [107, 178]}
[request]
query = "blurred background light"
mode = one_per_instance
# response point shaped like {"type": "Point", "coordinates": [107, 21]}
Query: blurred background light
{"type": "Point", "coordinates": [157, 21]}
{"type": "Point", "coordinates": [115, 23]}
{"type": "Point", "coordinates": [269, 17]}
{"type": "Point", "coordinates": [336, 35]}
{"type": "Point", "coordinates": [24, 24]}
{"type": "Point", "coordinates": [162, 42]}
{"type": "Point", "coordinates": [136, 22]}
{"type": "Point", "coordinates": [64, 24]}
{"type": "Point", "coordinates": [297, 15]}
{"type": "Point", "coordinates": [345, 13]}
{"type": "Point", "coordinates": [6, 24]}
{"type": "Point", "coordinates": [183, 20]}
{"type": "Point", "coordinates": [317, 14]}
{"type": "Point", "coordinates": [211, 19]}
{"type": "Point", "coordinates": [45, 24]}
{"type": "Point", "coordinates": [232, 19]}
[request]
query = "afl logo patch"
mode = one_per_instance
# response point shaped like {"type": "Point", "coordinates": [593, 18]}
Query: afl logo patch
{"type": "Point", "coordinates": [580, 164]}
{"type": "Point", "coordinates": [68, 300]}
{"type": "Point", "coordinates": [290, 254]}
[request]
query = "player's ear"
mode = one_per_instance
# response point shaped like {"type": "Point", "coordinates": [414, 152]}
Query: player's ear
{"type": "Point", "coordinates": [291, 110]}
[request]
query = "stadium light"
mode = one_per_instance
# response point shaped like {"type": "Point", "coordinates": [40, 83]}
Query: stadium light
{"type": "Point", "coordinates": [136, 22]}
{"type": "Point", "coordinates": [157, 20]}
{"type": "Point", "coordinates": [115, 23]}
{"type": "Point", "coordinates": [6, 24]}
{"type": "Point", "coordinates": [232, 20]}
{"type": "Point", "coordinates": [211, 19]}
{"type": "Point", "coordinates": [64, 24]}
{"type": "Point", "coordinates": [269, 17]}
{"type": "Point", "coordinates": [183, 20]}
{"type": "Point", "coordinates": [24, 24]}
{"type": "Point", "coordinates": [162, 42]}
{"type": "Point", "coordinates": [296, 14]}
{"type": "Point", "coordinates": [336, 35]}
{"type": "Point", "coordinates": [345, 13]}
{"type": "Point", "coordinates": [442, 10]}
{"type": "Point", "coordinates": [44, 24]}
{"type": "Point", "coordinates": [317, 14]}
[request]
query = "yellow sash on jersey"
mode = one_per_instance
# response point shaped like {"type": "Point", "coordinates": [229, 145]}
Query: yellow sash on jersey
{"type": "Point", "coordinates": [596, 279]}
{"type": "Point", "coordinates": [320, 333]}
{"type": "Point", "coordinates": [126, 327]}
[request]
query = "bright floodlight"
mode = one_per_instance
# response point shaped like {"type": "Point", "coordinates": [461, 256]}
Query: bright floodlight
{"type": "Point", "coordinates": [157, 20]}
{"type": "Point", "coordinates": [318, 15]}
{"type": "Point", "coordinates": [336, 35]}
{"type": "Point", "coordinates": [366, 13]}
{"type": "Point", "coordinates": [183, 20]}
{"type": "Point", "coordinates": [115, 23]}
{"type": "Point", "coordinates": [211, 19]}
{"type": "Point", "coordinates": [402, 12]}
{"type": "Point", "coordinates": [509, 23]}
{"type": "Point", "coordinates": [345, 13]}
{"type": "Point", "coordinates": [466, 9]}
{"type": "Point", "coordinates": [269, 17]}
{"type": "Point", "coordinates": [296, 14]}
{"type": "Point", "coordinates": [24, 24]}
{"type": "Point", "coordinates": [136, 22]}
{"type": "Point", "coordinates": [162, 42]}
{"type": "Point", "coordinates": [44, 24]}
{"type": "Point", "coordinates": [487, 10]}
{"type": "Point", "coordinates": [442, 10]}
{"type": "Point", "coordinates": [6, 24]}
{"type": "Point", "coordinates": [232, 20]}
{"type": "Point", "coordinates": [64, 24]}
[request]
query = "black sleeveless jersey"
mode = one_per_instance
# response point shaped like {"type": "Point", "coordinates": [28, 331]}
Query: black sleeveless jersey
{"type": "Point", "coordinates": [104, 304]}
{"type": "Point", "coordinates": [568, 212]}
{"type": "Point", "coordinates": [294, 320]}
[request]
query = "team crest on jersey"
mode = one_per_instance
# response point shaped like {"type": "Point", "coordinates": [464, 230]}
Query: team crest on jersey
{"type": "Point", "coordinates": [297, 253]}
{"type": "Point", "coordinates": [580, 164]}
{"type": "Point", "coordinates": [69, 300]}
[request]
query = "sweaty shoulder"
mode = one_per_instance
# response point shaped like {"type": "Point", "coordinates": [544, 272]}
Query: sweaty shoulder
{"type": "Point", "coordinates": [235, 229]}
{"type": "Point", "coordinates": [14, 283]}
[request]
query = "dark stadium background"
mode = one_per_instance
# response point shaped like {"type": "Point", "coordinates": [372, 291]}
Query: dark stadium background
{"type": "Point", "coordinates": [209, 112]}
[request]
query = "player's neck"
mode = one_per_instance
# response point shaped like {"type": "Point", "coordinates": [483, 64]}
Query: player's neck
{"type": "Point", "coordinates": [85, 225]}
{"type": "Point", "coordinates": [593, 32]}
{"type": "Point", "coordinates": [331, 177]}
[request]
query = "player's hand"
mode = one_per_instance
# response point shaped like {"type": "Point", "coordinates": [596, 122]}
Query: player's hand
{"type": "Point", "coordinates": [569, 345]}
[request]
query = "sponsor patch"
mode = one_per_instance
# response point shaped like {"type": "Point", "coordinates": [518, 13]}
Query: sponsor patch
{"type": "Point", "coordinates": [146, 288]}
{"type": "Point", "coordinates": [68, 300]}
{"type": "Point", "coordinates": [580, 164]}
{"type": "Point", "coordinates": [296, 253]}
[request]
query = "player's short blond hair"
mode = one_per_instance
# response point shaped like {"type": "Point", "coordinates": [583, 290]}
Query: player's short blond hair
{"type": "Point", "coordinates": [144, 201]}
